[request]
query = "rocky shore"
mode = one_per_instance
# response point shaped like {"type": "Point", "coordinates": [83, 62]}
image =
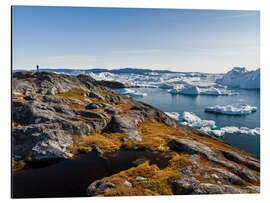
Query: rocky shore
{"type": "Point", "coordinates": [57, 116]}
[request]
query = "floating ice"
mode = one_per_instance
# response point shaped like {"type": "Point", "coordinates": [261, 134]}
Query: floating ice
{"type": "Point", "coordinates": [173, 115]}
{"type": "Point", "coordinates": [137, 94]}
{"type": "Point", "coordinates": [166, 86]}
{"type": "Point", "coordinates": [196, 122]}
{"type": "Point", "coordinates": [194, 90]}
{"type": "Point", "coordinates": [241, 130]}
{"type": "Point", "coordinates": [189, 90]}
{"type": "Point", "coordinates": [209, 126]}
{"type": "Point", "coordinates": [233, 109]}
{"type": "Point", "coordinates": [126, 91]}
{"type": "Point", "coordinates": [132, 92]}
{"type": "Point", "coordinates": [241, 78]}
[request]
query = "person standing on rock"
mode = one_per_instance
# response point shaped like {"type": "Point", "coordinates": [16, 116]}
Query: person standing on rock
{"type": "Point", "coordinates": [37, 68]}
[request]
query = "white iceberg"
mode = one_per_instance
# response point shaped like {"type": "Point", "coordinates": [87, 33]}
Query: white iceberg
{"type": "Point", "coordinates": [209, 126]}
{"type": "Point", "coordinates": [216, 92]}
{"type": "Point", "coordinates": [241, 130]}
{"type": "Point", "coordinates": [126, 91]}
{"type": "Point", "coordinates": [132, 92]}
{"type": "Point", "coordinates": [137, 94]}
{"type": "Point", "coordinates": [195, 90]}
{"type": "Point", "coordinates": [188, 90]}
{"type": "Point", "coordinates": [240, 77]}
{"type": "Point", "coordinates": [173, 115]}
{"type": "Point", "coordinates": [195, 121]}
{"type": "Point", "coordinates": [232, 109]}
{"type": "Point", "coordinates": [166, 86]}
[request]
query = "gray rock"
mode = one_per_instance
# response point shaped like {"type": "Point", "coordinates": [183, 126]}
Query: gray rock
{"type": "Point", "coordinates": [252, 189]}
{"type": "Point", "coordinates": [127, 183]}
{"type": "Point", "coordinates": [242, 159]}
{"type": "Point", "coordinates": [98, 187]}
{"type": "Point", "coordinates": [194, 158]}
{"type": "Point", "coordinates": [95, 95]}
{"type": "Point", "coordinates": [189, 185]}
{"type": "Point", "coordinates": [112, 110]}
{"type": "Point", "coordinates": [232, 156]}
{"type": "Point", "coordinates": [42, 141]}
{"type": "Point", "coordinates": [95, 105]}
{"type": "Point", "coordinates": [228, 176]}
{"type": "Point", "coordinates": [87, 100]}
{"type": "Point", "coordinates": [124, 124]}
{"type": "Point", "coordinates": [207, 188]}
{"type": "Point", "coordinates": [90, 114]}
{"type": "Point", "coordinates": [190, 146]}
{"type": "Point", "coordinates": [140, 178]}
{"type": "Point", "coordinates": [98, 124]}
{"type": "Point", "coordinates": [185, 185]}
{"type": "Point", "coordinates": [194, 147]}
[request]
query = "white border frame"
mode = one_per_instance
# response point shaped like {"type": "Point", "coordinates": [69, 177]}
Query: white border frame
{"type": "Point", "coordinates": [188, 4]}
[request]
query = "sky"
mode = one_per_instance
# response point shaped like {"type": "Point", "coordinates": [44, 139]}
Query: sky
{"type": "Point", "coordinates": [160, 39]}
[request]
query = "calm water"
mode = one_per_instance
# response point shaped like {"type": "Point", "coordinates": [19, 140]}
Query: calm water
{"type": "Point", "coordinates": [163, 100]}
{"type": "Point", "coordinates": [70, 178]}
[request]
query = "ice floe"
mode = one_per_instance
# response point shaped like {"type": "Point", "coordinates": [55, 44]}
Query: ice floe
{"type": "Point", "coordinates": [209, 126]}
{"type": "Point", "coordinates": [132, 93]}
{"type": "Point", "coordinates": [232, 109]}
{"type": "Point", "coordinates": [195, 90]}
{"type": "Point", "coordinates": [173, 115]}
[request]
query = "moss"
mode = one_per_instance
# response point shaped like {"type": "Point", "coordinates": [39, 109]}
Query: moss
{"type": "Point", "coordinates": [75, 93]}
{"type": "Point", "coordinates": [105, 142]}
{"type": "Point", "coordinates": [179, 161]}
{"type": "Point", "coordinates": [18, 165]}
{"type": "Point", "coordinates": [156, 182]}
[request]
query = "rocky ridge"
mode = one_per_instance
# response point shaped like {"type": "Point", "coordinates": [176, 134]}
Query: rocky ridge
{"type": "Point", "coordinates": [56, 116]}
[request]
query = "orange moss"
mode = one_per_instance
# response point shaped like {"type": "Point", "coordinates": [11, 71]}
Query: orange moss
{"type": "Point", "coordinates": [179, 161]}
{"type": "Point", "coordinates": [18, 165]}
{"type": "Point", "coordinates": [105, 142]}
{"type": "Point", "coordinates": [156, 182]}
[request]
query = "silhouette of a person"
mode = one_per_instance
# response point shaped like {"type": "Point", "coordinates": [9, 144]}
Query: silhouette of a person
{"type": "Point", "coordinates": [37, 68]}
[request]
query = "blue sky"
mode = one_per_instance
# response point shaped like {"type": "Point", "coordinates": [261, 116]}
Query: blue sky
{"type": "Point", "coordinates": [180, 40]}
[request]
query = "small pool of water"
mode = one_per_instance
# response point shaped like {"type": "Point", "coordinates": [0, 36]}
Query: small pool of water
{"type": "Point", "coordinates": [70, 178]}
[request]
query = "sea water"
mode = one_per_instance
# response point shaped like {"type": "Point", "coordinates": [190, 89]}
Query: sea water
{"type": "Point", "coordinates": [167, 102]}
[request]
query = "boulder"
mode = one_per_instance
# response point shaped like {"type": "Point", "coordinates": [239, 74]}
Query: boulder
{"type": "Point", "coordinates": [189, 185]}
{"type": "Point", "coordinates": [42, 141]}
{"type": "Point", "coordinates": [123, 124]}
{"type": "Point", "coordinates": [98, 187]}
{"type": "Point", "coordinates": [127, 183]}
{"type": "Point", "coordinates": [112, 110]}
{"type": "Point", "coordinates": [95, 95]}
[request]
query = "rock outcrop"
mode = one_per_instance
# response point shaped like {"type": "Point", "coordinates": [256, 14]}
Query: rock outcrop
{"type": "Point", "coordinates": [56, 116]}
{"type": "Point", "coordinates": [50, 110]}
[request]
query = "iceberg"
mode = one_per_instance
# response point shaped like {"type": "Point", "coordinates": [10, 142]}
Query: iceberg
{"type": "Point", "coordinates": [195, 121]}
{"type": "Point", "coordinates": [240, 77]}
{"type": "Point", "coordinates": [166, 86]}
{"type": "Point", "coordinates": [126, 91]}
{"type": "Point", "coordinates": [195, 90]}
{"type": "Point", "coordinates": [173, 115]}
{"type": "Point", "coordinates": [188, 90]}
{"type": "Point", "coordinates": [131, 92]}
{"type": "Point", "coordinates": [241, 130]}
{"type": "Point", "coordinates": [209, 126]}
{"type": "Point", "coordinates": [232, 109]}
{"type": "Point", "coordinates": [136, 94]}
